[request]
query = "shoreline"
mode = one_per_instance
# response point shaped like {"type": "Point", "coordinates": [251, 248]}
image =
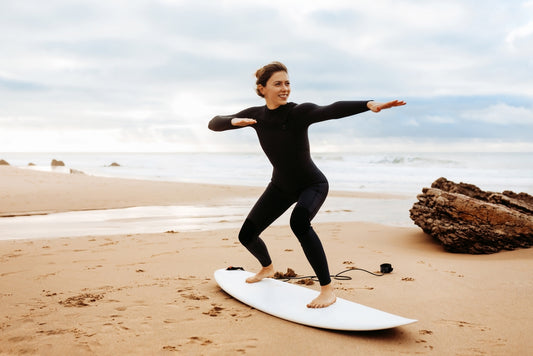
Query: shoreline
{"type": "Point", "coordinates": [393, 172]}
{"type": "Point", "coordinates": [154, 293]}
{"type": "Point", "coordinates": [105, 206]}
{"type": "Point", "coordinates": [101, 193]}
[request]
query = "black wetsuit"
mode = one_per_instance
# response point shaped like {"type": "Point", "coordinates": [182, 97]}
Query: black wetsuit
{"type": "Point", "coordinates": [296, 179]}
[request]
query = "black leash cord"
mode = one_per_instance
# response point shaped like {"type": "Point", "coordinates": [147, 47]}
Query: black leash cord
{"type": "Point", "coordinates": [337, 276]}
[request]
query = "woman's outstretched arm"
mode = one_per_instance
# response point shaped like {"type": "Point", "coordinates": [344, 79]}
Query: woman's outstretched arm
{"type": "Point", "coordinates": [312, 113]}
{"type": "Point", "coordinates": [309, 113]}
{"type": "Point", "coordinates": [230, 122]}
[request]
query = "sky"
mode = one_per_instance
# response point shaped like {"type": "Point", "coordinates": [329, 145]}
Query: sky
{"type": "Point", "coordinates": [147, 76]}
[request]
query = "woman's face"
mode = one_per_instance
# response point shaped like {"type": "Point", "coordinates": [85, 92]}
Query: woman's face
{"type": "Point", "coordinates": [277, 90]}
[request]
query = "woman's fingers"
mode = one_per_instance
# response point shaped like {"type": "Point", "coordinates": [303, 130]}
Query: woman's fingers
{"type": "Point", "coordinates": [242, 122]}
{"type": "Point", "coordinates": [377, 107]}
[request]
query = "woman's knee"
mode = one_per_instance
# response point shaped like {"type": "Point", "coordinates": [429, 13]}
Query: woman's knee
{"type": "Point", "coordinates": [248, 232]}
{"type": "Point", "coordinates": [299, 222]}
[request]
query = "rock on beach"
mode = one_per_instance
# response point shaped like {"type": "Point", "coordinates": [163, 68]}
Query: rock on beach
{"type": "Point", "coordinates": [466, 219]}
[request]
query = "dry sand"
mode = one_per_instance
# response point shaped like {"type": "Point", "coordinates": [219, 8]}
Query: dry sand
{"type": "Point", "coordinates": [154, 293]}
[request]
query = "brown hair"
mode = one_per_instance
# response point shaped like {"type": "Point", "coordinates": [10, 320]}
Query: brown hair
{"type": "Point", "coordinates": [264, 73]}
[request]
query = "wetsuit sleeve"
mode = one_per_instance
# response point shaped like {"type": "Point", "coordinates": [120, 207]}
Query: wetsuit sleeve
{"type": "Point", "coordinates": [310, 113]}
{"type": "Point", "coordinates": [223, 122]}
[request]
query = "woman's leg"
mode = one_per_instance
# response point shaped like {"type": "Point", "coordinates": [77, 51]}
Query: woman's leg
{"type": "Point", "coordinates": [309, 202]}
{"type": "Point", "coordinates": [270, 206]}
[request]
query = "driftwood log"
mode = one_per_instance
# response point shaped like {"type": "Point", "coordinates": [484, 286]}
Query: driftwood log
{"type": "Point", "coordinates": [466, 219]}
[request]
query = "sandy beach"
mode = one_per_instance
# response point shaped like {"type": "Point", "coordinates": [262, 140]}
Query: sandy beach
{"type": "Point", "coordinates": [144, 294]}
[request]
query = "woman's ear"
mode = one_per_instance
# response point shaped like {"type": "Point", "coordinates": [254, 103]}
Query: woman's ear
{"type": "Point", "coordinates": [261, 89]}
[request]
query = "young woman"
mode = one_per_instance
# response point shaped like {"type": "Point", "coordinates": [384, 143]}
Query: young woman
{"type": "Point", "coordinates": [281, 127]}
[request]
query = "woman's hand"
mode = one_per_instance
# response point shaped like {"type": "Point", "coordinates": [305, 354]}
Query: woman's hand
{"type": "Point", "coordinates": [377, 107]}
{"type": "Point", "coordinates": [242, 122]}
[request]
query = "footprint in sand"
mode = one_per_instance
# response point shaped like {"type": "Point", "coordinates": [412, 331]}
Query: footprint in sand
{"type": "Point", "coordinates": [81, 300]}
{"type": "Point", "coordinates": [423, 341]}
{"type": "Point", "coordinates": [48, 293]}
{"type": "Point", "coordinates": [170, 348]}
{"type": "Point", "coordinates": [215, 311]}
{"type": "Point", "coordinates": [193, 296]}
{"type": "Point", "coordinates": [198, 339]}
{"type": "Point", "coordinates": [465, 324]}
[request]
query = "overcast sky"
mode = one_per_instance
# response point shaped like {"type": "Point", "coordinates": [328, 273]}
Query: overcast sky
{"type": "Point", "coordinates": [137, 75]}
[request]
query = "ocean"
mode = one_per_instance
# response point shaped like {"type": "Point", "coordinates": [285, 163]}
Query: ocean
{"type": "Point", "coordinates": [403, 173]}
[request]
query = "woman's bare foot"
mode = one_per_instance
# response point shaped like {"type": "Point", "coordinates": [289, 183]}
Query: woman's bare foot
{"type": "Point", "coordinates": [325, 298]}
{"type": "Point", "coordinates": [265, 272]}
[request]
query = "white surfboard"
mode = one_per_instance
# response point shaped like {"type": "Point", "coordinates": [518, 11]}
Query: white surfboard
{"type": "Point", "coordinates": [288, 301]}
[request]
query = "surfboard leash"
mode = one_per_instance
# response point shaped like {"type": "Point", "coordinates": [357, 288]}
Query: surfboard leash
{"type": "Point", "coordinates": [385, 268]}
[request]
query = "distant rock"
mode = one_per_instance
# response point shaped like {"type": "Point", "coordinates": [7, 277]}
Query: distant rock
{"type": "Point", "coordinates": [466, 219]}
{"type": "Point", "coordinates": [75, 171]}
{"type": "Point", "coordinates": [31, 164]}
{"type": "Point", "coordinates": [114, 164]}
{"type": "Point", "coordinates": [56, 163]}
{"type": "Point", "coordinates": [3, 163]}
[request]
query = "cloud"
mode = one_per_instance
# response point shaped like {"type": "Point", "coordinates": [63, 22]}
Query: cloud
{"type": "Point", "coordinates": [520, 33]}
{"type": "Point", "coordinates": [411, 122]}
{"type": "Point", "coordinates": [165, 67]}
{"type": "Point", "coordinates": [522, 36]}
{"type": "Point", "coordinates": [19, 85]}
{"type": "Point", "coordinates": [440, 119]}
{"type": "Point", "coordinates": [502, 115]}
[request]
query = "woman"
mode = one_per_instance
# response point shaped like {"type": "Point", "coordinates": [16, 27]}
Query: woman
{"type": "Point", "coordinates": [282, 131]}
